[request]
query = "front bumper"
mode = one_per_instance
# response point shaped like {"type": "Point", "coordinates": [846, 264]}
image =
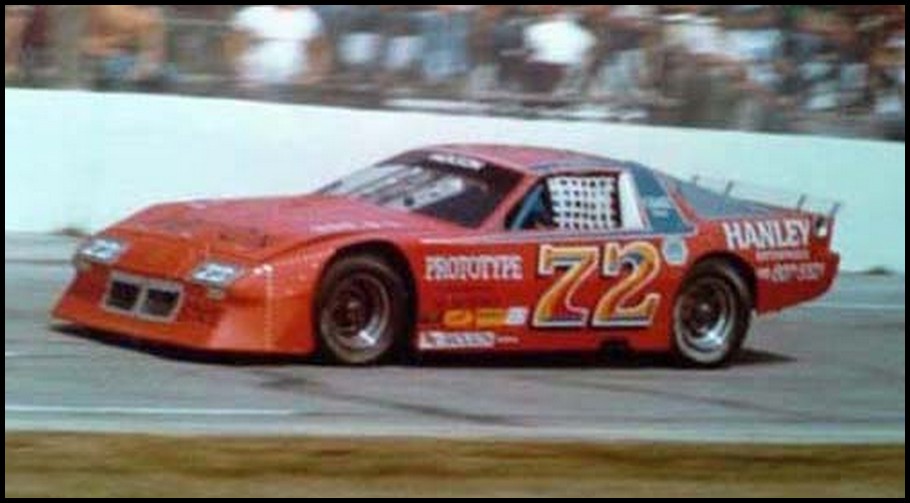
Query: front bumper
{"type": "Point", "coordinates": [199, 320]}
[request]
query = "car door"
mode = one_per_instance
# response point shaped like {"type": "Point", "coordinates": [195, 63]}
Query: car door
{"type": "Point", "coordinates": [597, 263]}
{"type": "Point", "coordinates": [576, 263]}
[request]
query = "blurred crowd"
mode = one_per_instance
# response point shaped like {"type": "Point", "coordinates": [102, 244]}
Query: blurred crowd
{"type": "Point", "coordinates": [803, 68]}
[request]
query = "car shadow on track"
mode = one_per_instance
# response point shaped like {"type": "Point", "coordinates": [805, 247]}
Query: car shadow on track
{"type": "Point", "coordinates": [611, 358]}
{"type": "Point", "coordinates": [601, 360]}
{"type": "Point", "coordinates": [170, 352]}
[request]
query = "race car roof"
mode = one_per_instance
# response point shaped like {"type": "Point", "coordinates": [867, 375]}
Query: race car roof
{"type": "Point", "coordinates": [540, 162]}
{"type": "Point", "coordinates": [531, 160]}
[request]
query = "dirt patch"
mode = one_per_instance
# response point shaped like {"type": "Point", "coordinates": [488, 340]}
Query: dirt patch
{"type": "Point", "coordinates": [48, 465]}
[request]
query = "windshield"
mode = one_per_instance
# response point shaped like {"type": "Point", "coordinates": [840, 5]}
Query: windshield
{"type": "Point", "coordinates": [458, 194]}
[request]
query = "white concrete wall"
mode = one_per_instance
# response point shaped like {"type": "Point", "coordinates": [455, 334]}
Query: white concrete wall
{"type": "Point", "coordinates": [84, 160]}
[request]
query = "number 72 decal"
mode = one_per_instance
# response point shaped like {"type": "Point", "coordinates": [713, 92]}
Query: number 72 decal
{"type": "Point", "coordinates": [555, 308]}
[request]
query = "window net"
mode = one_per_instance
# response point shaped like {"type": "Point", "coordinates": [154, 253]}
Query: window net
{"type": "Point", "coordinates": [585, 203]}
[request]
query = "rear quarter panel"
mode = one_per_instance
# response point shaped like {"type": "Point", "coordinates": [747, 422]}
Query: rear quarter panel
{"type": "Point", "coordinates": [789, 263]}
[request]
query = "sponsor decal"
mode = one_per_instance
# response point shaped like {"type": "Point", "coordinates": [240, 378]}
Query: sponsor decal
{"type": "Point", "coordinates": [675, 251]}
{"type": "Point", "coordinates": [570, 266]}
{"type": "Point", "coordinates": [485, 318]}
{"type": "Point", "coordinates": [334, 227]}
{"type": "Point", "coordinates": [517, 316]}
{"type": "Point", "coordinates": [475, 268]}
{"type": "Point", "coordinates": [768, 234]}
{"type": "Point", "coordinates": [458, 161]}
{"type": "Point", "coordinates": [457, 340]}
{"type": "Point", "coordinates": [782, 255]}
{"type": "Point", "coordinates": [507, 340]}
{"type": "Point", "coordinates": [789, 272]}
{"type": "Point", "coordinates": [492, 318]}
{"type": "Point", "coordinates": [458, 318]}
{"type": "Point", "coordinates": [628, 302]}
{"type": "Point", "coordinates": [366, 225]}
{"type": "Point", "coordinates": [659, 206]}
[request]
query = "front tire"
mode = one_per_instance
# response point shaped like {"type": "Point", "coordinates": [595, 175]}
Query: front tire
{"type": "Point", "coordinates": [361, 311]}
{"type": "Point", "coordinates": [711, 315]}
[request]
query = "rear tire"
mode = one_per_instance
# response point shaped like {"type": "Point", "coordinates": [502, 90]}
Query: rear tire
{"type": "Point", "coordinates": [361, 311]}
{"type": "Point", "coordinates": [711, 315]}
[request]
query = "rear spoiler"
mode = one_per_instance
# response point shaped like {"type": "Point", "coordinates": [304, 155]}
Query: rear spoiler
{"type": "Point", "coordinates": [766, 196]}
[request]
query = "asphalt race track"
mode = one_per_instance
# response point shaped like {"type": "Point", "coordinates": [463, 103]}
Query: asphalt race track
{"type": "Point", "coordinates": [830, 372]}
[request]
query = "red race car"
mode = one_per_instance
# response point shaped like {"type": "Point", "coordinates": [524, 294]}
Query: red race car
{"type": "Point", "coordinates": [462, 249]}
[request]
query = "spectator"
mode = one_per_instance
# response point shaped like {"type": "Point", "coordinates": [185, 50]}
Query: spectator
{"type": "Point", "coordinates": [335, 21]}
{"type": "Point", "coordinates": [36, 60]}
{"type": "Point", "coordinates": [278, 47]}
{"type": "Point", "coordinates": [889, 61]}
{"type": "Point", "coordinates": [822, 38]}
{"type": "Point", "coordinates": [125, 46]}
{"type": "Point", "coordinates": [558, 46]}
{"type": "Point", "coordinates": [698, 67]}
{"type": "Point", "coordinates": [196, 44]}
{"type": "Point", "coordinates": [755, 45]}
{"type": "Point", "coordinates": [856, 64]}
{"type": "Point", "coordinates": [17, 20]}
{"type": "Point", "coordinates": [627, 40]}
{"type": "Point", "coordinates": [444, 31]}
{"type": "Point", "coordinates": [360, 46]}
{"type": "Point", "coordinates": [482, 47]}
{"type": "Point", "coordinates": [497, 48]}
{"type": "Point", "coordinates": [402, 43]}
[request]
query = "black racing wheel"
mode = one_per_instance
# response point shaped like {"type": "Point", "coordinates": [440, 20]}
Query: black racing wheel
{"type": "Point", "coordinates": [711, 315]}
{"type": "Point", "coordinates": [361, 311]}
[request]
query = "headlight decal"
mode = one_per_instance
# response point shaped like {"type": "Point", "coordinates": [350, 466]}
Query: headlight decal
{"type": "Point", "coordinates": [102, 249]}
{"type": "Point", "coordinates": [217, 274]}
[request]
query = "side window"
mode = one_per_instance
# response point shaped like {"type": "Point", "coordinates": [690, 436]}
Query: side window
{"type": "Point", "coordinates": [585, 203]}
{"type": "Point", "coordinates": [600, 202]}
{"type": "Point", "coordinates": [534, 212]}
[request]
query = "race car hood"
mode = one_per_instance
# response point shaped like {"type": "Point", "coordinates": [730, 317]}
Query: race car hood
{"type": "Point", "coordinates": [257, 229]}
